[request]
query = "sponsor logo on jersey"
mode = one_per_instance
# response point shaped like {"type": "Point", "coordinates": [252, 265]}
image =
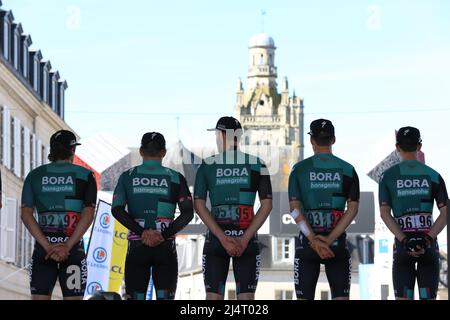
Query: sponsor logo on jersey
{"type": "Point", "coordinates": [150, 185]}
{"type": "Point", "coordinates": [57, 184]}
{"type": "Point", "coordinates": [226, 176]}
{"type": "Point", "coordinates": [325, 180]}
{"type": "Point", "coordinates": [234, 233]}
{"type": "Point", "coordinates": [412, 187]}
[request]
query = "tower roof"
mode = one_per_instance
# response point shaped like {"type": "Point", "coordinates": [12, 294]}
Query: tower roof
{"type": "Point", "coordinates": [261, 40]}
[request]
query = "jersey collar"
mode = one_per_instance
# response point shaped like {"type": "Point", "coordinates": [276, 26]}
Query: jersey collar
{"type": "Point", "coordinates": [152, 163]}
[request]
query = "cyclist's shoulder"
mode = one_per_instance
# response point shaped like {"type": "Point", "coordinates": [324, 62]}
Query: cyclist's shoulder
{"type": "Point", "coordinates": [79, 169]}
{"type": "Point", "coordinates": [432, 173]}
{"type": "Point", "coordinates": [175, 176]}
{"type": "Point", "coordinates": [391, 173]}
{"type": "Point", "coordinates": [346, 166]}
{"type": "Point", "coordinates": [303, 164]}
{"type": "Point", "coordinates": [129, 172]}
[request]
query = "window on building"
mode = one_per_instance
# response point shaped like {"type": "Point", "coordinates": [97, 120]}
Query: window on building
{"type": "Point", "coordinates": [36, 75]}
{"type": "Point", "coordinates": [45, 86]}
{"type": "Point", "coordinates": [270, 59]}
{"type": "Point", "coordinates": [32, 153]}
{"type": "Point", "coordinates": [5, 144]}
{"type": "Point", "coordinates": [54, 94]}
{"type": "Point", "coordinates": [43, 155]}
{"type": "Point", "coordinates": [261, 59]}
{"type": "Point", "coordinates": [189, 249]}
{"type": "Point", "coordinates": [8, 229]}
{"type": "Point", "coordinates": [284, 294]}
{"type": "Point", "coordinates": [6, 33]}
{"type": "Point", "coordinates": [283, 249]}
{"type": "Point", "coordinates": [1, 134]}
{"type": "Point", "coordinates": [17, 51]}
{"type": "Point", "coordinates": [231, 294]}
{"type": "Point", "coordinates": [25, 60]}
{"type": "Point", "coordinates": [22, 152]}
{"type": "Point", "coordinates": [61, 101]}
{"type": "Point", "coordinates": [13, 142]}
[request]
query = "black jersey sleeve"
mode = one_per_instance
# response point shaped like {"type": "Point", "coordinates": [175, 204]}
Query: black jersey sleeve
{"type": "Point", "coordinates": [186, 210]}
{"type": "Point", "coordinates": [265, 186]}
{"type": "Point", "coordinates": [90, 195]}
{"type": "Point", "coordinates": [201, 183]}
{"type": "Point", "coordinates": [126, 220]}
{"type": "Point", "coordinates": [384, 197]}
{"type": "Point", "coordinates": [441, 195]}
{"type": "Point", "coordinates": [353, 192]}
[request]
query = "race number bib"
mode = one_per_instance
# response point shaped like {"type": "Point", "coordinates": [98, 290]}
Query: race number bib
{"type": "Point", "coordinates": [59, 222]}
{"type": "Point", "coordinates": [418, 222]}
{"type": "Point", "coordinates": [239, 215]}
{"type": "Point", "coordinates": [323, 221]}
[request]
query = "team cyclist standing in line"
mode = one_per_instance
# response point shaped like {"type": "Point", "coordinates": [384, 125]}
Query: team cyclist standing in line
{"type": "Point", "coordinates": [323, 197]}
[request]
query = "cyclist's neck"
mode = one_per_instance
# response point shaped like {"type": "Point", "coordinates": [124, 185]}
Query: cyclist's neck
{"type": "Point", "coordinates": [408, 156]}
{"type": "Point", "coordinates": [322, 150]}
{"type": "Point", "coordinates": [63, 161]}
{"type": "Point", "coordinates": [154, 159]}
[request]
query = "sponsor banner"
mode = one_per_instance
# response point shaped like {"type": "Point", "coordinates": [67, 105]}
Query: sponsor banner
{"type": "Point", "coordinates": [100, 249]}
{"type": "Point", "coordinates": [119, 252]}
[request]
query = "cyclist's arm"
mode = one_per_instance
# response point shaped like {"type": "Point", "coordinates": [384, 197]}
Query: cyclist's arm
{"type": "Point", "coordinates": [200, 194]}
{"type": "Point", "coordinates": [27, 215]}
{"type": "Point", "coordinates": [439, 224]}
{"type": "Point", "coordinates": [295, 204]}
{"type": "Point", "coordinates": [207, 218]}
{"type": "Point", "coordinates": [294, 194]}
{"type": "Point", "coordinates": [384, 199]}
{"type": "Point", "coordinates": [118, 208]}
{"type": "Point", "coordinates": [441, 197]}
{"type": "Point", "coordinates": [347, 218]}
{"type": "Point", "coordinates": [392, 225]}
{"type": "Point", "coordinates": [33, 227]}
{"type": "Point", "coordinates": [121, 215]}
{"type": "Point", "coordinates": [87, 216]}
{"type": "Point", "coordinates": [265, 196]}
{"type": "Point", "coordinates": [186, 211]}
{"type": "Point", "coordinates": [351, 212]}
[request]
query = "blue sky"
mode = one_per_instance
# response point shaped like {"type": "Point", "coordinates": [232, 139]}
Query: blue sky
{"type": "Point", "coordinates": [369, 66]}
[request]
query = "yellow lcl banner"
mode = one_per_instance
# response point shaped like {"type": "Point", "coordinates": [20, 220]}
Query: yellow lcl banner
{"type": "Point", "coordinates": [118, 254]}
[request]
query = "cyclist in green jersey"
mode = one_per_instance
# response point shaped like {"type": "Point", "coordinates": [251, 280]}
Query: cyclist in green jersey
{"type": "Point", "coordinates": [320, 189]}
{"type": "Point", "coordinates": [409, 189]}
{"type": "Point", "coordinates": [150, 193]}
{"type": "Point", "coordinates": [64, 196]}
{"type": "Point", "coordinates": [232, 179]}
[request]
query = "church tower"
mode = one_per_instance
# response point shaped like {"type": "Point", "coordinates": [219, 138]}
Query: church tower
{"type": "Point", "coordinates": [267, 116]}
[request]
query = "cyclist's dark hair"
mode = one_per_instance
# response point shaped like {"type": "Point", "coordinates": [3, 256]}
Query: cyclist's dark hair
{"type": "Point", "coordinates": [59, 152]}
{"type": "Point", "coordinates": [408, 147]}
{"type": "Point", "coordinates": [152, 149]}
{"type": "Point", "coordinates": [324, 141]}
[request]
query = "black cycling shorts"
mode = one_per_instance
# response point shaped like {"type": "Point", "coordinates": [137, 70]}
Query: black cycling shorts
{"type": "Point", "coordinates": [307, 268]}
{"type": "Point", "coordinates": [72, 273]}
{"type": "Point", "coordinates": [216, 262]}
{"type": "Point", "coordinates": [160, 262]}
{"type": "Point", "coordinates": [406, 269]}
